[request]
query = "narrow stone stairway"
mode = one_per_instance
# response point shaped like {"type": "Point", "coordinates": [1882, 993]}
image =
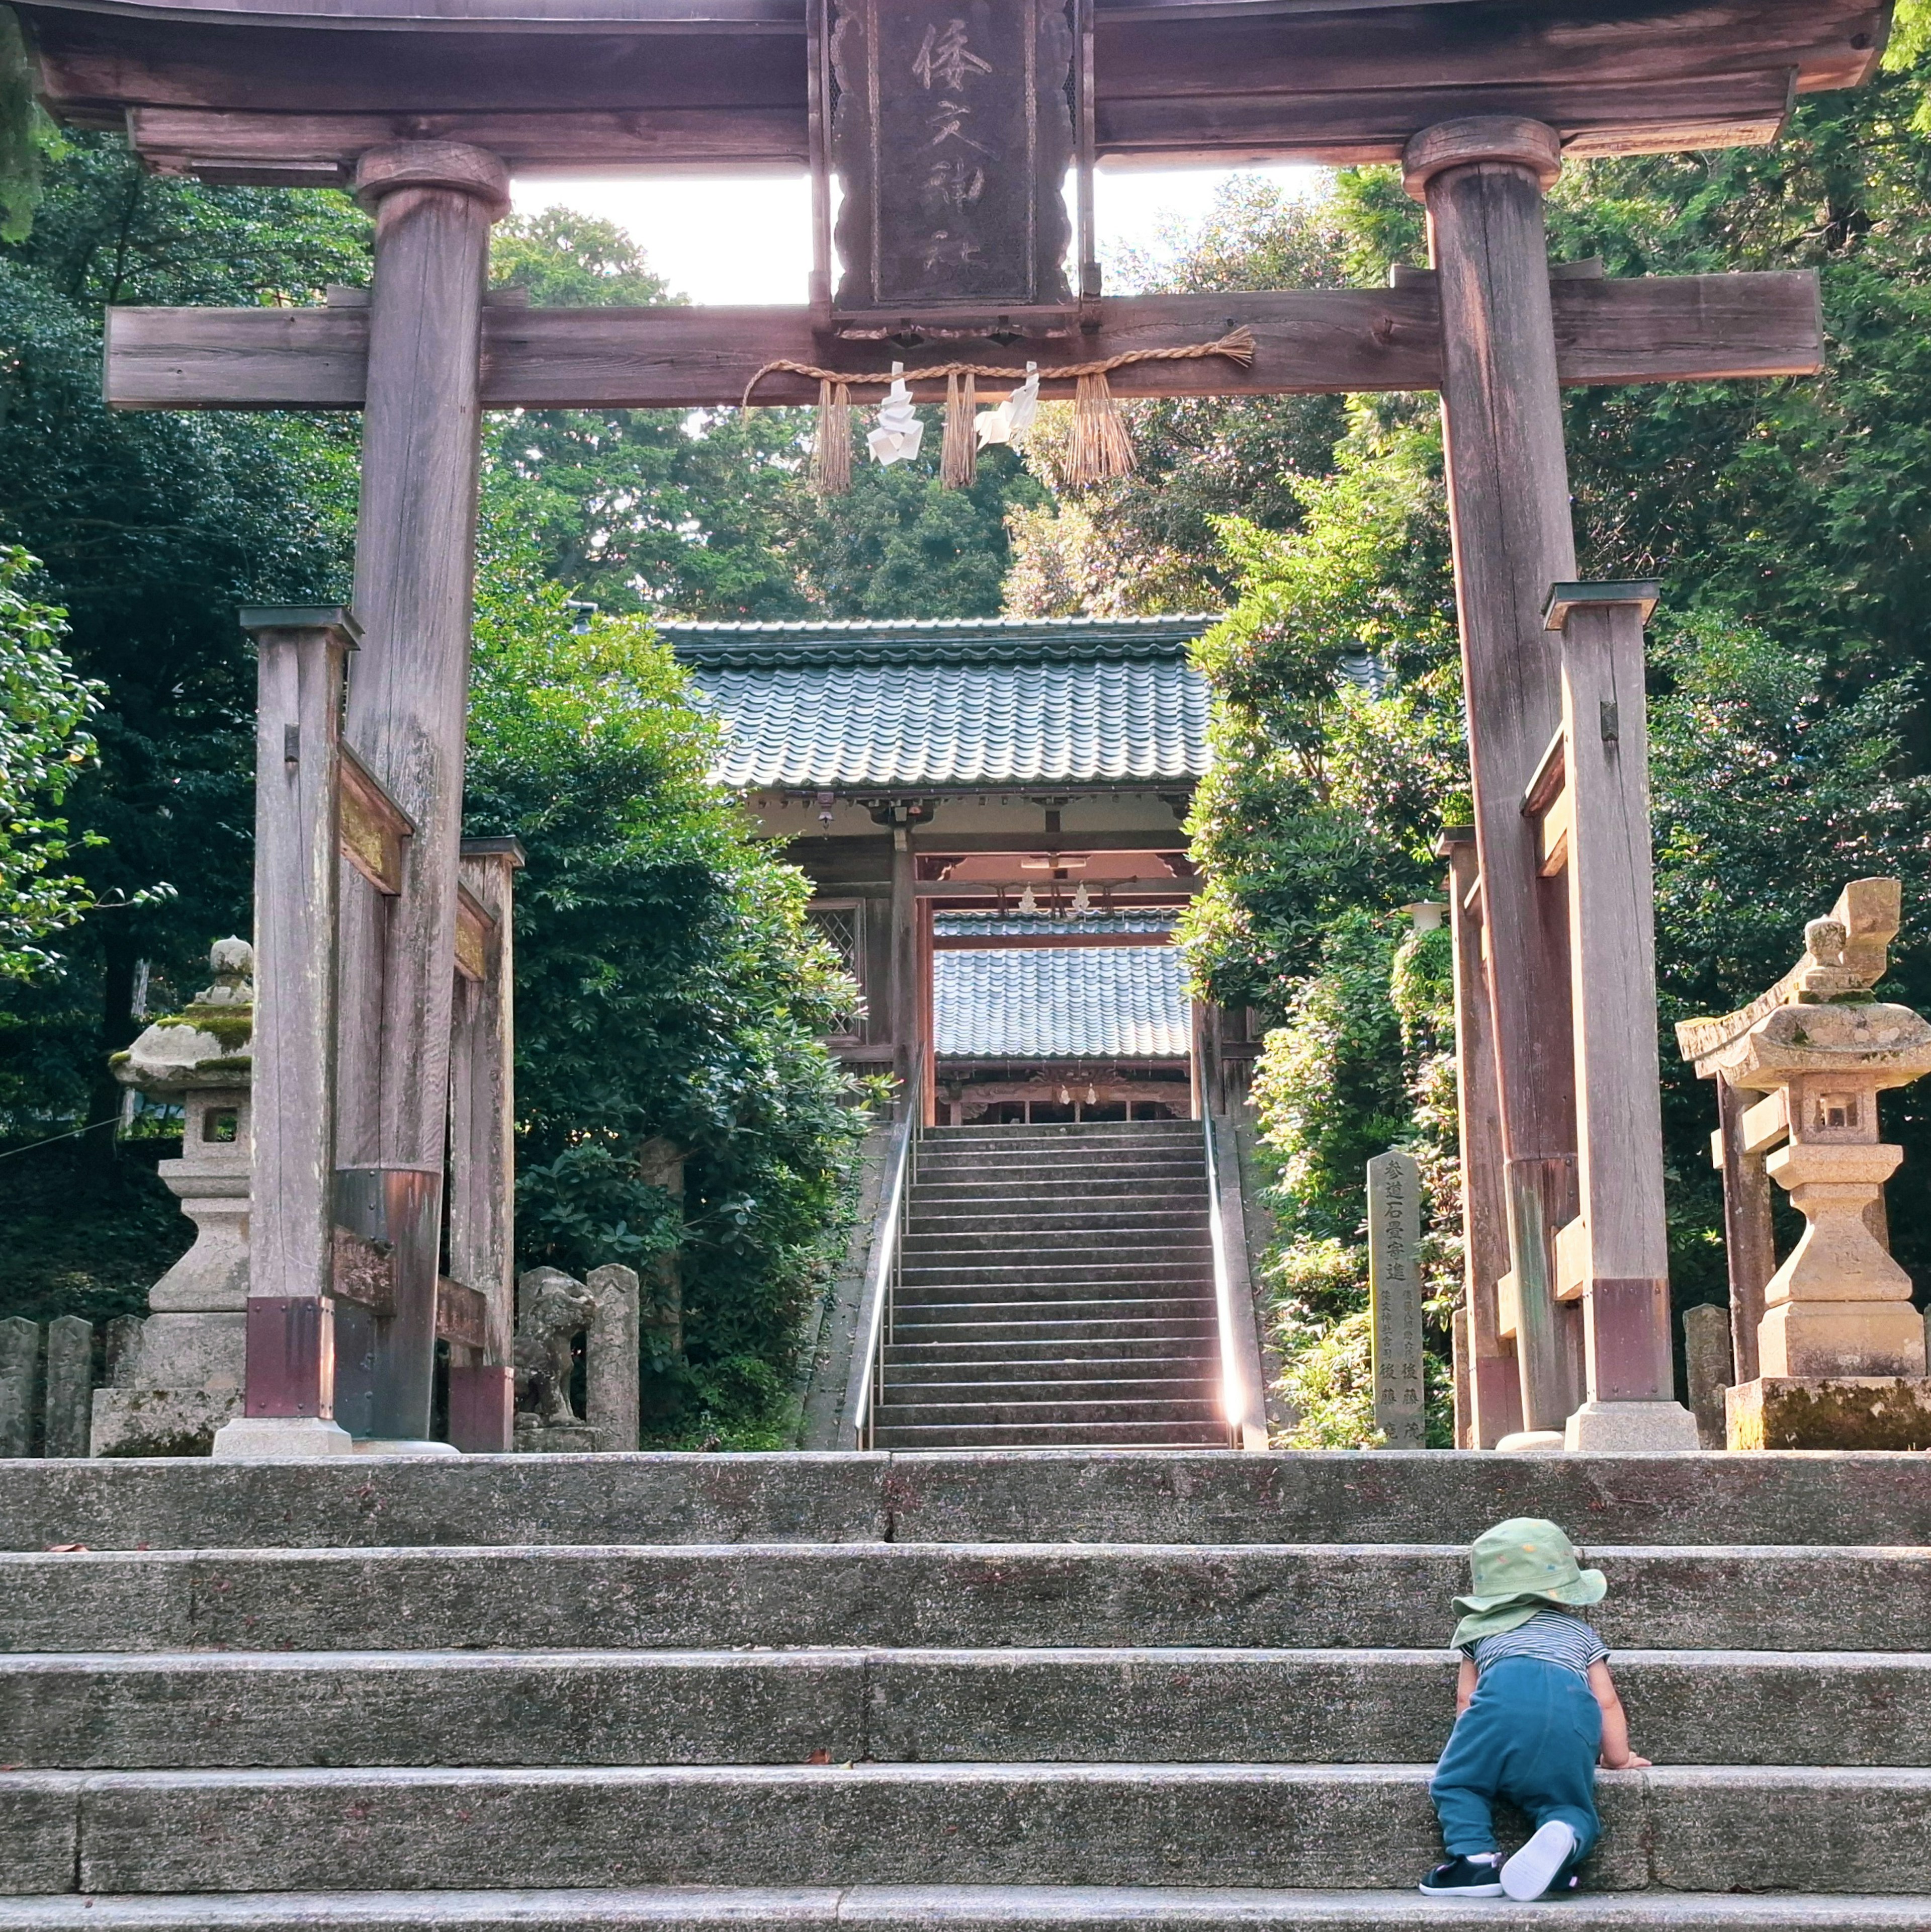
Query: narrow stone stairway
{"type": "Point", "coordinates": [1056, 1289]}
{"type": "Point", "coordinates": [1043, 1691]}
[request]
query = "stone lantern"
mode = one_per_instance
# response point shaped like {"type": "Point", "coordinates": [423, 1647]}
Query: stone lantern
{"type": "Point", "coordinates": [1840, 1350]}
{"type": "Point", "coordinates": [183, 1378]}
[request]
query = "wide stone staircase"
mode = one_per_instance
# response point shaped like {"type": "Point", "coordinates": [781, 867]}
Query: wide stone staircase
{"type": "Point", "coordinates": [1056, 1289]}
{"type": "Point", "coordinates": [1045, 1691]}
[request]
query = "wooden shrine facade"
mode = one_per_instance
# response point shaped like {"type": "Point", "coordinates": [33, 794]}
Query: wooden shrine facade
{"type": "Point", "coordinates": [985, 787]}
{"type": "Point", "coordinates": [426, 113]}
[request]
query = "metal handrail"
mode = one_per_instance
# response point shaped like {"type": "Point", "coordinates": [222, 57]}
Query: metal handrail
{"type": "Point", "coordinates": [876, 1310]}
{"type": "Point", "coordinates": [1241, 1390]}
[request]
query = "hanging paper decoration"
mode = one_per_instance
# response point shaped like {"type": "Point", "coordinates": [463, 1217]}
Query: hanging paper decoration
{"type": "Point", "coordinates": [1082, 900]}
{"type": "Point", "coordinates": [831, 452]}
{"type": "Point", "coordinates": [1100, 446]}
{"type": "Point", "coordinates": [1013, 418]}
{"type": "Point", "coordinates": [1028, 905]}
{"type": "Point", "coordinates": [959, 455]}
{"type": "Point", "coordinates": [899, 432]}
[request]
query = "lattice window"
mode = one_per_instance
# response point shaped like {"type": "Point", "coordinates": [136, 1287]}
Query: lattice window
{"type": "Point", "coordinates": [842, 925]}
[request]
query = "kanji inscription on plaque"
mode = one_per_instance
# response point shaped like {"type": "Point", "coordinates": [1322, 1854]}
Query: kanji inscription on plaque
{"type": "Point", "coordinates": [952, 135]}
{"type": "Point", "coordinates": [1394, 1296]}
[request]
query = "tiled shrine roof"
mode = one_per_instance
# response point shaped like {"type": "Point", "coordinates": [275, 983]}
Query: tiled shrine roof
{"type": "Point", "coordinates": [1048, 925]}
{"type": "Point", "coordinates": [1061, 1002]}
{"type": "Point", "coordinates": [958, 704]}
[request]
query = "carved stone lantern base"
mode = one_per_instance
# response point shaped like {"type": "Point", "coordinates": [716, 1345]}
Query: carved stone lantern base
{"type": "Point", "coordinates": [1831, 1412]}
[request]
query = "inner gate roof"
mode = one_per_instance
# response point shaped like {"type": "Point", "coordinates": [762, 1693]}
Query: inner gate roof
{"type": "Point", "coordinates": [1073, 1002]}
{"type": "Point", "coordinates": [969, 705]}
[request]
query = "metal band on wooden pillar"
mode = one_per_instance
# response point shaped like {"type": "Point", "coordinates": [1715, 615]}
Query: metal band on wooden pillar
{"type": "Point", "coordinates": [1482, 179]}
{"type": "Point", "coordinates": [434, 202]}
{"type": "Point", "coordinates": [290, 1408]}
{"type": "Point", "coordinates": [1614, 1257]}
{"type": "Point", "coordinates": [1489, 1355]}
{"type": "Point", "coordinates": [482, 1171]}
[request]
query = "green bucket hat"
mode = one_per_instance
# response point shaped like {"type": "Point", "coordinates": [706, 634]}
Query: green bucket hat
{"type": "Point", "coordinates": [1519, 1567]}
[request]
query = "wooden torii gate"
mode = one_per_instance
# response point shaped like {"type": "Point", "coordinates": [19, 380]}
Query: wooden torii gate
{"type": "Point", "coordinates": [1479, 103]}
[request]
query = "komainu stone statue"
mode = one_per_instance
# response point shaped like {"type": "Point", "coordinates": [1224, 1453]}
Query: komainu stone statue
{"type": "Point", "coordinates": [552, 1309]}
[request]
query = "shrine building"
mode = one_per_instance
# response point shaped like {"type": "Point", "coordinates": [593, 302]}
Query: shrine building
{"type": "Point", "coordinates": [991, 813]}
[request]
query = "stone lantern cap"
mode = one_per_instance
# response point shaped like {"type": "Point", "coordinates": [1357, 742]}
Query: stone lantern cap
{"type": "Point", "coordinates": [208, 1044]}
{"type": "Point", "coordinates": [1872, 1046]}
{"type": "Point", "coordinates": [1845, 955]}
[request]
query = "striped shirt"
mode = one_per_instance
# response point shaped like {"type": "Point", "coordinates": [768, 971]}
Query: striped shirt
{"type": "Point", "coordinates": [1549, 1636]}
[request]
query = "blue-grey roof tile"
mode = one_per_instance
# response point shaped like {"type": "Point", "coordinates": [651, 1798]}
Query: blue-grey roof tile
{"type": "Point", "coordinates": [962, 725]}
{"type": "Point", "coordinates": [1049, 925]}
{"type": "Point", "coordinates": [1061, 1002]}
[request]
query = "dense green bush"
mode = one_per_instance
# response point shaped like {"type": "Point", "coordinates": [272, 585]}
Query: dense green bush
{"type": "Point", "coordinates": [667, 985]}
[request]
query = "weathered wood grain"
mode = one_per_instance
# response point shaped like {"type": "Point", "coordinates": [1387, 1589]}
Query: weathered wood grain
{"type": "Point", "coordinates": [1357, 127]}
{"type": "Point", "coordinates": [1508, 487]}
{"type": "Point", "coordinates": [1625, 1263]}
{"type": "Point", "coordinates": [300, 658]}
{"type": "Point", "coordinates": [415, 563]}
{"type": "Point", "coordinates": [606, 80]}
{"type": "Point", "coordinates": [373, 828]}
{"type": "Point", "coordinates": [1650, 329]}
{"type": "Point", "coordinates": [1495, 1400]}
{"type": "Point", "coordinates": [482, 1101]}
{"type": "Point", "coordinates": [306, 149]}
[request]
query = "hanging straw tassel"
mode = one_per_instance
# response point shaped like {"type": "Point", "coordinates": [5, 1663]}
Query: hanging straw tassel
{"type": "Point", "coordinates": [832, 450]}
{"type": "Point", "coordinates": [958, 455]}
{"type": "Point", "coordinates": [1100, 447]}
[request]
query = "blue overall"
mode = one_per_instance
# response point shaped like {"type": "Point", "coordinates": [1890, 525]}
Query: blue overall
{"type": "Point", "coordinates": [1530, 1735]}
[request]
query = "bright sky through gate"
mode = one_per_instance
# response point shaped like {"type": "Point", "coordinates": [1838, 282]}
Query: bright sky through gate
{"type": "Point", "coordinates": [747, 238]}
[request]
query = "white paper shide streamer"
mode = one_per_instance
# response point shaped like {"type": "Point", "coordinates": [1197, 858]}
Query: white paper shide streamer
{"type": "Point", "coordinates": [1013, 417]}
{"type": "Point", "coordinates": [899, 432]}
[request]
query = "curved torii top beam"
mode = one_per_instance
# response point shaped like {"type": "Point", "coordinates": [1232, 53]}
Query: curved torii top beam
{"type": "Point", "coordinates": [240, 90]}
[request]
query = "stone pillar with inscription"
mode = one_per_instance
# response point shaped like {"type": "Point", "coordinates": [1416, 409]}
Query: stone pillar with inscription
{"type": "Point", "coordinates": [1395, 1295]}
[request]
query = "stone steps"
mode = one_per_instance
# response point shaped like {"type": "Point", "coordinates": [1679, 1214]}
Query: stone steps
{"type": "Point", "coordinates": [191, 1710]}
{"type": "Point", "coordinates": [1690, 1503]}
{"type": "Point", "coordinates": [1127, 1402]}
{"type": "Point", "coordinates": [948, 1908]}
{"type": "Point", "coordinates": [1090, 1379]}
{"type": "Point", "coordinates": [1021, 1435]}
{"type": "Point", "coordinates": [1300, 1596]}
{"type": "Point", "coordinates": [919, 1362]}
{"type": "Point", "coordinates": [1704, 1828]}
{"type": "Point", "coordinates": [1100, 1325]}
{"type": "Point", "coordinates": [1050, 1691]}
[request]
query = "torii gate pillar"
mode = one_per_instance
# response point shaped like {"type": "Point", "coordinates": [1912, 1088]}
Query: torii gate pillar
{"type": "Point", "coordinates": [1482, 180]}
{"type": "Point", "coordinates": [415, 542]}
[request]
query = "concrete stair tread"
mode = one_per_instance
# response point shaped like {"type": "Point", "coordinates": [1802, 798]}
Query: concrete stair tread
{"type": "Point", "coordinates": [960, 1704]}
{"type": "Point", "coordinates": [1713, 1828]}
{"type": "Point", "coordinates": [967, 1908]}
{"type": "Point", "coordinates": [1052, 1436]}
{"type": "Point", "coordinates": [1155, 1375]}
{"type": "Point", "coordinates": [977, 1409]}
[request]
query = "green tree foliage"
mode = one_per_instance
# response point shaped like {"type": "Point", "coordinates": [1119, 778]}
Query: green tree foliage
{"type": "Point", "coordinates": [667, 985]}
{"type": "Point", "coordinates": [43, 745]}
{"type": "Point", "coordinates": [709, 513]}
{"type": "Point", "coordinates": [152, 529]}
{"type": "Point", "coordinates": [1785, 520]}
{"type": "Point", "coordinates": [1147, 542]}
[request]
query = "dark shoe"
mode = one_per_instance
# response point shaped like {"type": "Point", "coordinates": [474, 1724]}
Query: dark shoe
{"type": "Point", "coordinates": [1463, 1878]}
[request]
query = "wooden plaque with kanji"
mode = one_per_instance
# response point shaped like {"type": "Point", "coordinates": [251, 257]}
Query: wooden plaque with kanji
{"type": "Point", "coordinates": [952, 136]}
